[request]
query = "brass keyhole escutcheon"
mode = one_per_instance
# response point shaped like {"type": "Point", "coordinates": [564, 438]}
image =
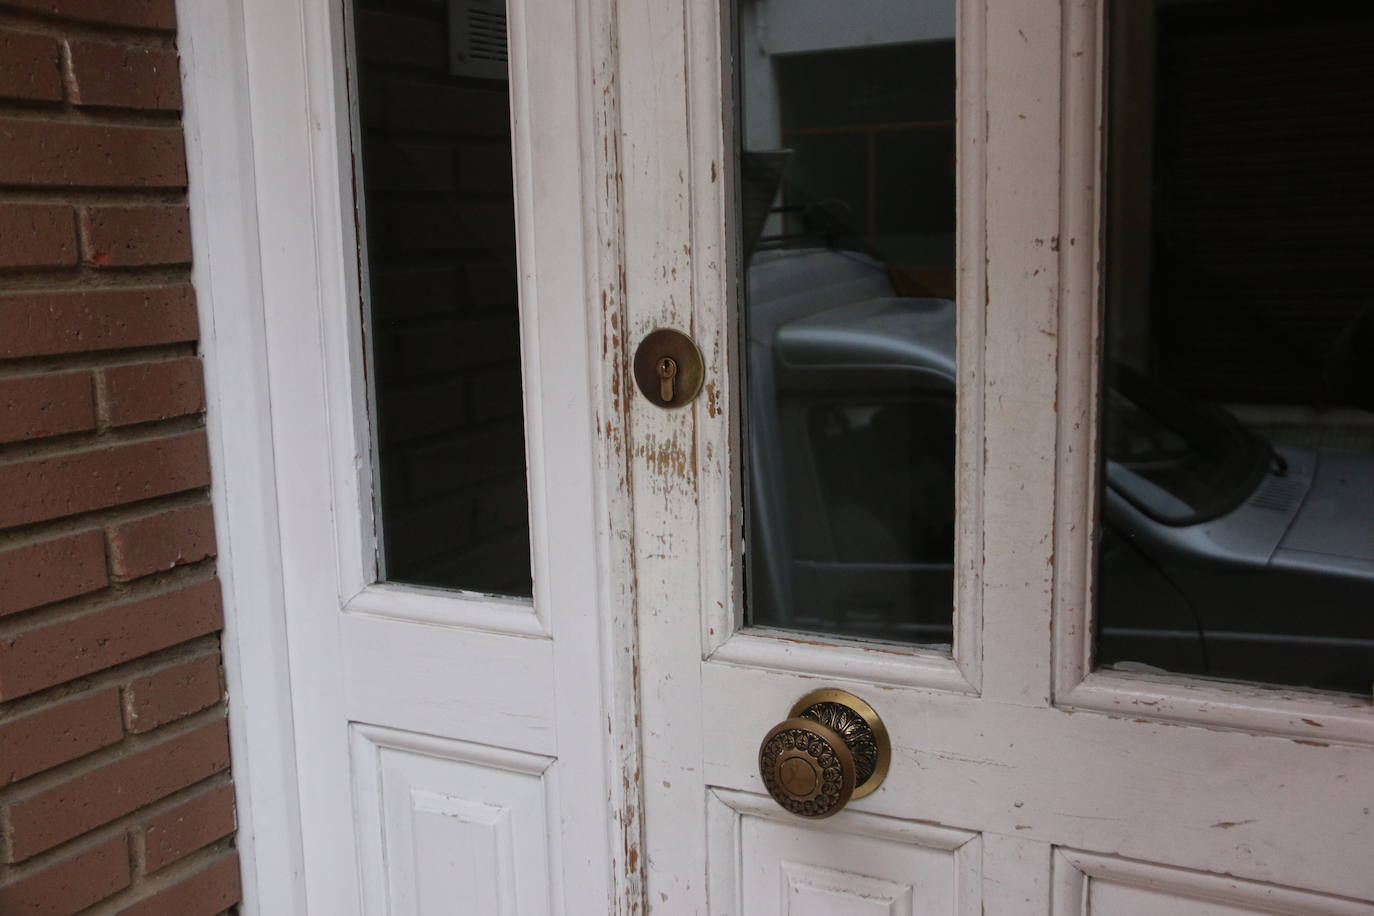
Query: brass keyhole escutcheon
{"type": "Point", "coordinates": [668, 368]}
{"type": "Point", "coordinates": [830, 749]}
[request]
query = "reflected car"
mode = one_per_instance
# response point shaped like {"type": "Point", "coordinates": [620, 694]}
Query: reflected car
{"type": "Point", "coordinates": [1220, 554]}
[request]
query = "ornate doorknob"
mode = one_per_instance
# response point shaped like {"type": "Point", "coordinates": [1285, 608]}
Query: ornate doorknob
{"type": "Point", "coordinates": [831, 748]}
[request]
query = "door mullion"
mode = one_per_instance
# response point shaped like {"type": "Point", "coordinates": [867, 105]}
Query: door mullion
{"type": "Point", "coordinates": [1021, 348]}
{"type": "Point", "coordinates": [665, 479]}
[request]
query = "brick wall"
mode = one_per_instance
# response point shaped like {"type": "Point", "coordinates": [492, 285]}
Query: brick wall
{"type": "Point", "coordinates": [114, 760]}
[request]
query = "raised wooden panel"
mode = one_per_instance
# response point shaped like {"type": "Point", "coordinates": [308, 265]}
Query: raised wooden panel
{"type": "Point", "coordinates": [1085, 883]}
{"type": "Point", "coordinates": [1125, 900]}
{"type": "Point", "coordinates": [809, 890]}
{"type": "Point", "coordinates": [765, 862]}
{"type": "Point", "coordinates": [450, 827]}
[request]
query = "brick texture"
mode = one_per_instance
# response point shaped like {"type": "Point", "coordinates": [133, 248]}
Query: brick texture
{"type": "Point", "coordinates": [41, 573]}
{"type": "Point", "coordinates": [30, 67]}
{"type": "Point", "coordinates": [153, 391]}
{"type": "Point", "coordinates": [188, 827]}
{"type": "Point", "coordinates": [53, 323]}
{"type": "Point", "coordinates": [172, 693]}
{"type": "Point", "coordinates": [210, 890]}
{"type": "Point", "coordinates": [32, 407]}
{"type": "Point", "coordinates": [136, 236]}
{"type": "Point", "coordinates": [92, 799]}
{"type": "Point", "coordinates": [56, 652]}
{"type": "Point", "coordinates": [37, 235]}
{"type": "Point", "coordinates": [139, 14]}
{"type": "Point", "coordinates": [50, 154]}
{"type": "Point", "coordinates": [72, 884]}
{"type": "Point", "coordinates": [160, 542]}
{"type": "Point", "coordinates": [57, 734]}
{"type": "Point", "coordinates": [45, 488]}
{"type": "Point", "coordinates": [119, 76]}
{"type": "Point", "coordinates": [115, 795]}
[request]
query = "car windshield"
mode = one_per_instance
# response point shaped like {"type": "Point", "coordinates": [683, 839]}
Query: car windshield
{"type": "Point", "coordinates": [1177, 461]}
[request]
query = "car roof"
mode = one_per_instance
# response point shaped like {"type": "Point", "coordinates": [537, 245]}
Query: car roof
{"type": "Point", "coordinates": [823, 308]}
{"type": "Point", "coordinates": [887, 332]}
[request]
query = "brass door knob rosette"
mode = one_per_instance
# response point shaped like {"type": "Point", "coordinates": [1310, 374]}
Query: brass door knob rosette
{"type": "Point", "coordinates": [831, 748]}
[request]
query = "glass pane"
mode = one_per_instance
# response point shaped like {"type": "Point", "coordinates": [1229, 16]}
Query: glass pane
{"type": "Point", "coordinates": [445, 333]}
{"type": "Point", "coordinates": [1238, 488]}
{"type": "Point", "coordinates": [847, 226]}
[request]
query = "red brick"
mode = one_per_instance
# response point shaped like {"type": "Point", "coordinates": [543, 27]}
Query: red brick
{"type": "Point", "coordinates": [84, 802]}
{"type": "Point", "coordinates": [184, 829]}
{"type": "Point", "coordinates": [52, 653]}
{"type": "Point", "coordinates": [153, 391]}
{"type": "Point", "coordinates": [36, 153]}
{"type": "Point", "coordinates": [136, 236]}
{"type": "Point", "coordinates": [122, 76]}
{"type": "Point", "coordinates": [209, 891]}
{"type": "Point", "coordinates": [58, 734]}
{"type": "Point", "coordinates": [30, 67]}
{"type": "Point", "coordinates": [34, 406]}
{"type": "Point", "coordinates": [46, 488]}
{"type": "Point", "coordinates": [37, 574]}
{"type": "Point", "coordinates": [161, 542]}
{"type": "Point", "coordinates": [72, 884]}
{"type": "Point", "coordinates": [172, 693]}
{"type": "Point", "coordinates": [46, 324]}
{"type": "Point", "coordinates": [139, 14]}
{"type": "Point", "coordinates": [37, 235]}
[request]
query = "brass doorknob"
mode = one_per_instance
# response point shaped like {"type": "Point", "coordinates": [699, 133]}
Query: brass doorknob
{"type": "Point", "coordinates": [831, 748]}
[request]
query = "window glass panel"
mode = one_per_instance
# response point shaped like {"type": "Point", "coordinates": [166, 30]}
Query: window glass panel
{"type": "Point", "coordinates": [445, 336]}
{"type": "Point", "coordinates": [1238, 441]}
{"type": "Point", "coordinates": [847, 225]}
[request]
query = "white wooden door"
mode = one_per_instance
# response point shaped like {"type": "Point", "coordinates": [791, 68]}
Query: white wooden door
{"type": "Point", "coordinates": [401, 749]}
{"type": "Point", "coordinates": [1022, 780]}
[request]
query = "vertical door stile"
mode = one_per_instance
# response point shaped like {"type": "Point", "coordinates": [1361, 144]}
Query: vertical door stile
{"type": "Point", "coordinates": [657, 170]}
{"type": "Point", "coordinates": [715, 317]}
{"type": "Point", "coordinates": [1022, 349]}
{"type": "Point", "coordinates": [602, 186]}
{"type": "Point", "coordinates": [971, 53]}
{"type": "Point", "coordinates": [569, 295]}
{"type": "Point", "coordinates": [1016, 875]}
{"type": "Point", "coordinates": [226, 272]}
{"type": "Point", "coordinates": [1076, 503]}
{"type": "Point", "coordinates": [284, 51]}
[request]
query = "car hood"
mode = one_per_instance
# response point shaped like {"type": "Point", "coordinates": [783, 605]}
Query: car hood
{"type": "Point", "coordinates": [1337, 516]}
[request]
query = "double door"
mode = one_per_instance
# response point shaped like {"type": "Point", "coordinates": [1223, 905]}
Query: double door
{"type": "Point", "coordinates": [889, 233]}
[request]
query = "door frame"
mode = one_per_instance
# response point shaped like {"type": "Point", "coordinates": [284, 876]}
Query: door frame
{"type": "Point", "coordinates": [265, 82]}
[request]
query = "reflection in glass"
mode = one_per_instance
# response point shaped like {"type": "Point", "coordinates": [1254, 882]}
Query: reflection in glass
{"type": "Point", "coordinates": [1237, 541]}
{"type": "Point", "coordinates": [445, 333]}
{"type": "Point", "coordinates": [847, 226]}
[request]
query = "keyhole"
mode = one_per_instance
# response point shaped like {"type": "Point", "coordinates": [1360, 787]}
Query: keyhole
{"type": "Point", "coordinates": [667, 369]}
